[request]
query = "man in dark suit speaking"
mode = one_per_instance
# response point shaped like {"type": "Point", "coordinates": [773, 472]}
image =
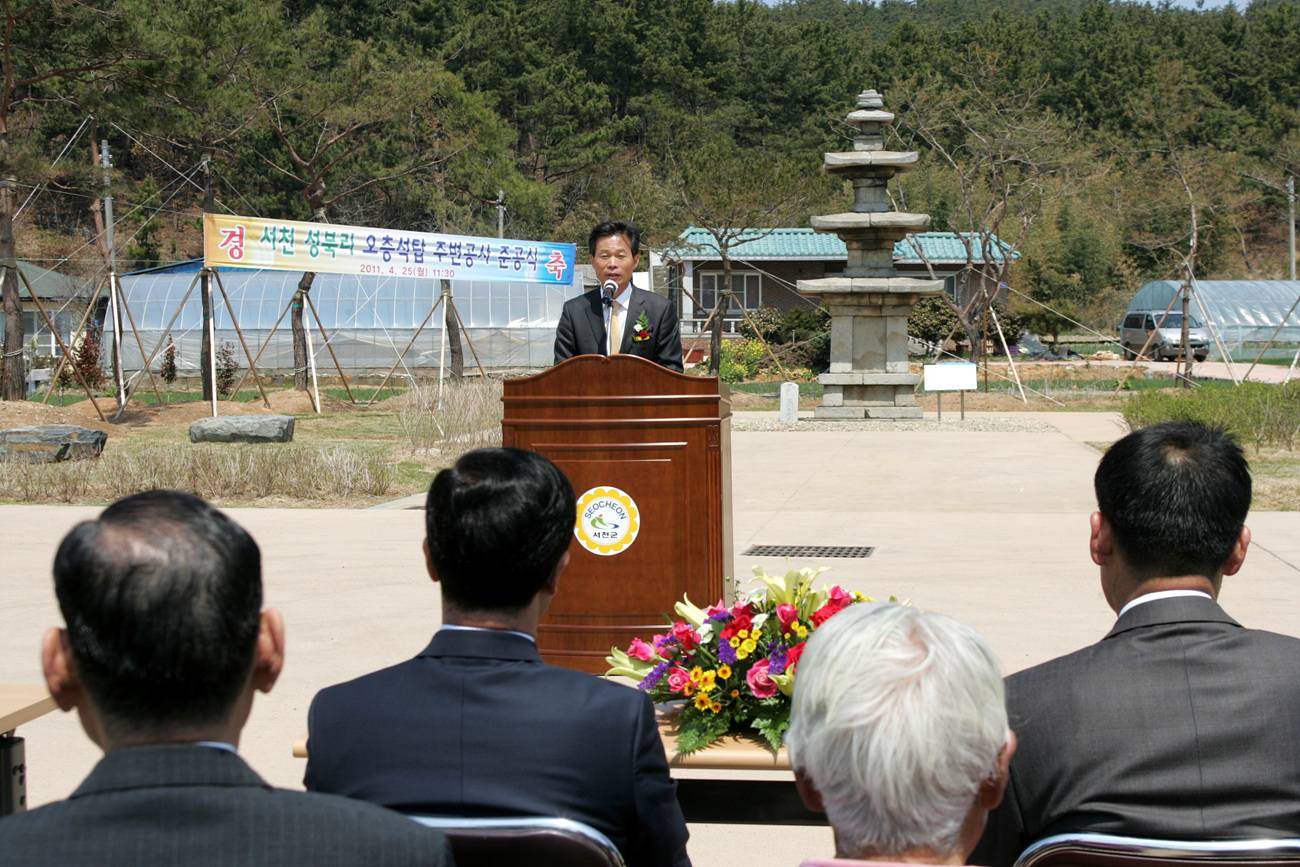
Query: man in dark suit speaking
{"type": "Point", "coordinates": [477, 724]}
{"type": "Point", "coordinates": [641, 323]}
{"type": "Point", "coordinates": [164, 648]}
{"type": "Point", "coordinates": [1180, 723]}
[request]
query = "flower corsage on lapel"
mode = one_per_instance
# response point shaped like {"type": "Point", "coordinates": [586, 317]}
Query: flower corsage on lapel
{"type": "Point", "coordinates": [642, 328]}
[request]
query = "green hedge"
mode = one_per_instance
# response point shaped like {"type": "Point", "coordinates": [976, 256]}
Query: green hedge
{"type": "Point", "coordinates": [1259, 414]}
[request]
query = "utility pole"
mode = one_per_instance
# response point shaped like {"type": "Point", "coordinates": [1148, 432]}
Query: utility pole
{"type": "Point", "coordinates": [501, 219]}
{"type": "Point", "coordinates": [114, 296]}
{"type": "Point", "coordinates": [1290, 223]}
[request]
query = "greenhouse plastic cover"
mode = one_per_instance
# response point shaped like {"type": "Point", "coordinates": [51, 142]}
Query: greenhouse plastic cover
{"type": "Point", "coordinates": [369, 319]}
{"type": "Point", "coordinates": [1239, 311]}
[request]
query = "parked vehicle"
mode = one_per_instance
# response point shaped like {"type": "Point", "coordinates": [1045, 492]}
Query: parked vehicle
{"type": "Point", "coordinates": [1168, 328]}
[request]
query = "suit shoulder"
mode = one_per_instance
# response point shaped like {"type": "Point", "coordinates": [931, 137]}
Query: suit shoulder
{"type": "Point", "coordinates": [374, 681]}
{"type": "Point", "coordinates": [595, 689]}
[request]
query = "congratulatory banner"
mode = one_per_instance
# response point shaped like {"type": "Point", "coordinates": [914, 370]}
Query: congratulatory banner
{"type": "Point", "coordinates": [286, 245]}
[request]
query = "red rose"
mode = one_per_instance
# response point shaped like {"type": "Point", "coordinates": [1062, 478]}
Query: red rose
{"type": "Point", "coordinates": [743, 621]}
{"type": "Point", "coordinates": [792, 658]}
{"type": "Point", "coordinates": [689, 638]}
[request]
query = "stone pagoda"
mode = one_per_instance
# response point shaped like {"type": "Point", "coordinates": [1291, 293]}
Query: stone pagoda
{"type": "Point", "coordinates": [870, 303]}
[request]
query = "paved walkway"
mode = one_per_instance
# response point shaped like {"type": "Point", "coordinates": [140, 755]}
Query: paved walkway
{"type": "Point", "coordinates": [988, 527]}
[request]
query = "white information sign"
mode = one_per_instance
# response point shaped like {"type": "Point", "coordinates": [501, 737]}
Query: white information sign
{"type": "Point", "coordinates": [950, 377]}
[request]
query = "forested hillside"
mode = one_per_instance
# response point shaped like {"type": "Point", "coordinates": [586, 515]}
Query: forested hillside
{"type": "Point", "coordinates": [1092, 134]}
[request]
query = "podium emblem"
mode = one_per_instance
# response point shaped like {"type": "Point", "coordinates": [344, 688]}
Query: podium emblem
{"type": "Point", "coordinates": [608, 521]}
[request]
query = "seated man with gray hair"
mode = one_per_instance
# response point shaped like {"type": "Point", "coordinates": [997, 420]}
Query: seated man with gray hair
{"type": "Point", "coordinates": [899, 734]}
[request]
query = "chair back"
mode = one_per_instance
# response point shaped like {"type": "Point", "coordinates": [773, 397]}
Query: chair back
{"type": "Point", "coordinates": [1105, 850]}
{"type": "Point", "coordinates": [525, 841]}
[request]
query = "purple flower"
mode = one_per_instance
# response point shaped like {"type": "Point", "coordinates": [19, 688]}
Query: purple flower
{"type": "Point", "coordinates": [777, 659]}
{"type": "Point", "coordinates": [719, 617]}
{"type": "Point", "coordinates": [651, 680]}
{"type": "Point", "coordinates": [726, 653]}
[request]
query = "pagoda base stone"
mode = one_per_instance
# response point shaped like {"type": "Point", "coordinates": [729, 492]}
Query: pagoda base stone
{"type": "Point", "coordinates": [883, 413]}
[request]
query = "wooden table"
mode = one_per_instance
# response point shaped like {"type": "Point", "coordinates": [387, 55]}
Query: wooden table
{"type": "Point", "coordinates": [729, 801]}
{"type": "Point", "coordinates": [19, 704]}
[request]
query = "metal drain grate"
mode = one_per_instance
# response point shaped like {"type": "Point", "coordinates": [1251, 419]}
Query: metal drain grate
{"type": "Point", "coordinates": [807, 551]}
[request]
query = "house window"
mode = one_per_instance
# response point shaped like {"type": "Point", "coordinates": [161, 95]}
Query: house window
{"type": "Point", "coordinates": [745, 291]}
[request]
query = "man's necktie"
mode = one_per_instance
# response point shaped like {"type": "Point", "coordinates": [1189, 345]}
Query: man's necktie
{"type": "Point", "coordinates": [615, 331]}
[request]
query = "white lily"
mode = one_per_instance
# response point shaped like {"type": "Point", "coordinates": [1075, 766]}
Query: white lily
{"type": "Point", "coordinates": [689, 612]}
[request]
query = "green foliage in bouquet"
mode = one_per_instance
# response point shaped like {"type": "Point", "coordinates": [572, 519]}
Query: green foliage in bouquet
{"type": "Point", "coordinates": [734, 667]}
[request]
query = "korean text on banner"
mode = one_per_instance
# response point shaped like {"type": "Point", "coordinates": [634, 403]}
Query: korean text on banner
{"type": "Point", "coordinates": [286, 245]}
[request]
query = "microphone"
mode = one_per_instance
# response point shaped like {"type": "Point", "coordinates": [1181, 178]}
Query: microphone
{"type": "Point", "coordinates": [607, 290]}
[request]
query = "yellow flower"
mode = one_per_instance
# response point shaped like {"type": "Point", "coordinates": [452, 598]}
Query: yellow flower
{"type": "Point", "coordinates": [802, 630]}
{"type": "Point", "coordinates": [742, 653]}
{"type": "Point", "coordinates": [724, 671]}
{"type": "Point", "coordinates": [702, 702]}
{"type": "Point", "coordinates": [706, 682]}
{"type": "Point", "coordinates": [742, 633]}
{"type": "Point", "coordinates": [716, 706]}
{"type": "Point", "coordinates": [749, 645]}
{"type": "Point", "coordinates": [688, 689]}
{"type": "Point", "coordinates": [696, 674]}
{"type": "Point", "coordinates": [734, 642]}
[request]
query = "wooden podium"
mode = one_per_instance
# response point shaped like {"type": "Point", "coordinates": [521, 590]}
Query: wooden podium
{"type": "Point", "coordinates": [649, 454]}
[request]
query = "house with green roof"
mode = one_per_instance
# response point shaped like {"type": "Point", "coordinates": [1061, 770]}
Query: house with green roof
{"type": "Point", "coordinates": [64, 299]}
{"type": "Point", "coordinates": [766, 268]}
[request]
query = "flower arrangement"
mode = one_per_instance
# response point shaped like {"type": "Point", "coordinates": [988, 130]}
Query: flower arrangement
{"type": "Point", "coordinates": [642, 328]}
{"type": "Point", "coordinates": [734, 667]}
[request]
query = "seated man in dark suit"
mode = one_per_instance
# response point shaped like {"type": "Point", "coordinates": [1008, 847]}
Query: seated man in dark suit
{"type": "Point", "coordinates": [1180, 723]}
{"type": "Point", "coordinates": [163, 650]}
{"type": "Point", "coordinates": [642, 323]}
{"type": "Point", "coordinates": [477, 724]}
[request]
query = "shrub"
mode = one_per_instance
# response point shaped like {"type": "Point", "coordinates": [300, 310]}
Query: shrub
{"type": "Point", "coordinates": [932, 319]}
{"type": "Point", "coordinates": [469, 418]}
{"type": "Point", "coordinates": [738, 360]}
{"type": "Point", "coordinates": [787, 326]}
{"type": "Point", "coordinates": [85, 358]}
{"type": "Point", "coordinates": [167, 369]}
{"type": "Point", "coordinates": [226, 368]}
{"type": "Point", "coordinates": [1258, 413]}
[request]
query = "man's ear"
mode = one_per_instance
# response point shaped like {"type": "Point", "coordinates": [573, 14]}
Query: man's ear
{"type": "Point", "coordinates": [428, 562]}
{"type": "Point", "coordinates": [992, 789]}
{"type": "Point", "coordinates": [60, 670]}
{"type": "Point", "coordinates": [552, 584]}
{"type": "Point", "coordinates": [268, 657]}
{"type": "Point", "coordinates": [1238, 555]}
{"type": "Point", "coordinates": [1101, 542]}
{"type": "Point", "coordinates": [812, 799]}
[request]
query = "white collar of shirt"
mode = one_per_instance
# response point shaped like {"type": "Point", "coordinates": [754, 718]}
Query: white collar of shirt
{"type": "Point", "coordinates": [456, 627]}
{"type": "Point", "coordinates": [1161, 594]}
{"type": "Point", "coordinates": [218, 745]}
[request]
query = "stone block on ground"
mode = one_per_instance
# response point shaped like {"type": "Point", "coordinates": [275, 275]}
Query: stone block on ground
{"type": "Point", "coordinates": [243, 429]}
{"type": "Point", "coordinates": [50, 443]}
{"type": "Point", "coordinates": [789, 401]}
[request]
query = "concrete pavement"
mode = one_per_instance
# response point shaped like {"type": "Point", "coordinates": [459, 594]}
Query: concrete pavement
{"type": "Point", "coordinates": [988, 527]}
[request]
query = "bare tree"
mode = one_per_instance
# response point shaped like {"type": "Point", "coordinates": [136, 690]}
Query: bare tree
{"type": "Point", "coordinates": [738, 195]}
{"type": "Point", "coordinates": [1007, 156]}
{"type": "Point", "coordinates": [1189, 190]}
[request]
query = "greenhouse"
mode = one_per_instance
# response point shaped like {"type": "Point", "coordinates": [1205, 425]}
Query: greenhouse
{"type": "Point", "coordinates": [369, 319]}
{"type": "Point", "coordinates": [1242, 314]}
